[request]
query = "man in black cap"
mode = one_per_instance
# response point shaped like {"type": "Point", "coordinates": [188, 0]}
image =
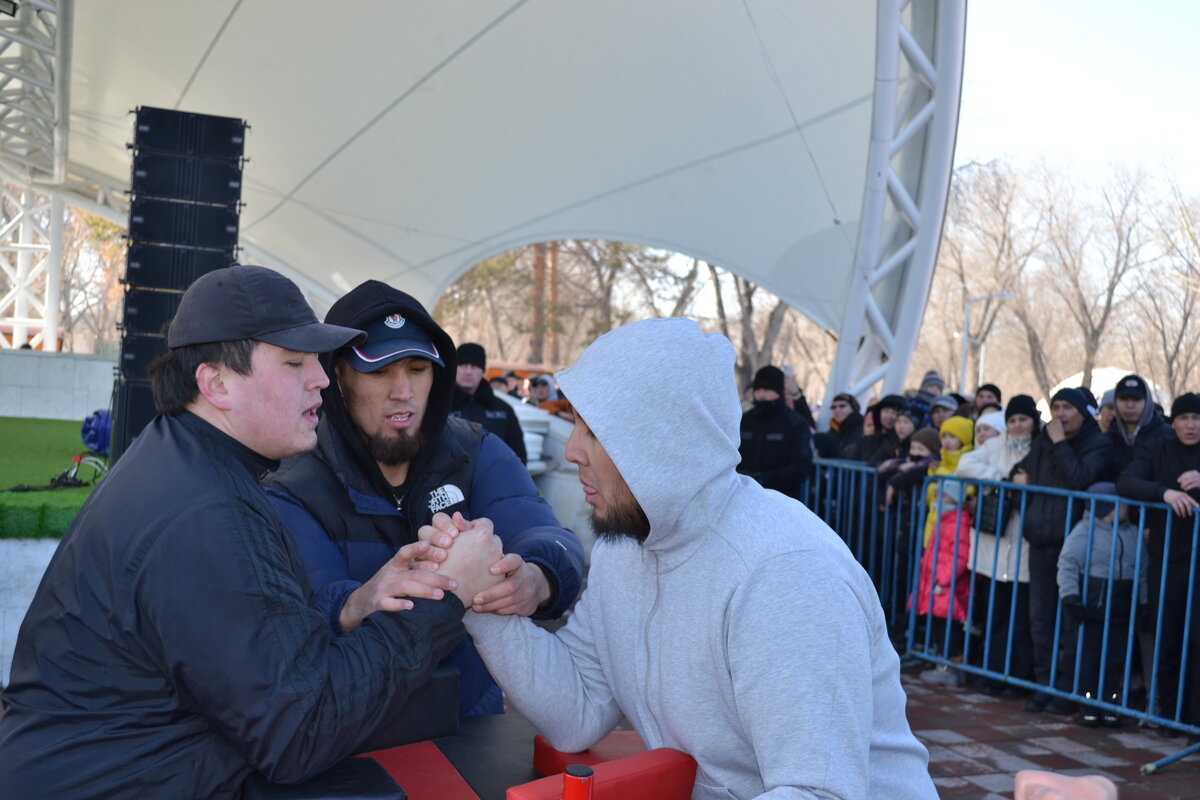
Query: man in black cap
{"type": "Point", "coordinates": [475, 401]}
{"type": "Point", "coordinates": [170, 650]}
{"type": "Point", "coordinates": [776, 445]}
{"type": "Point", "coordinates": [1168, 471]}
{"type": "Point", "coordinates": [1136, 423]}
{"type": "Point", "coordinates": [388, 457]}
{"type": "Point", "coordinates": [1069, 453]}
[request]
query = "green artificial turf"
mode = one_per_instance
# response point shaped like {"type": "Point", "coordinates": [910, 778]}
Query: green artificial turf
{"type": "Point", "coordinates": [33, 452]}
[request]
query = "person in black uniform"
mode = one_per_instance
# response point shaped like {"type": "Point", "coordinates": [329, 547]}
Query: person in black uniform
{"type": "Point", "coordinates": [475, 401]}
{"type": "Point", "coordinates": [776, 443]}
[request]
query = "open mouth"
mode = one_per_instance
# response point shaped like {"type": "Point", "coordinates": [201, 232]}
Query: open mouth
{"type": "Point", "coordinates": [400, 420]}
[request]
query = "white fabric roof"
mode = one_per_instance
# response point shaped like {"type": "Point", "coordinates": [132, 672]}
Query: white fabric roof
{"type": "Point", "coordinates": [406, 141]}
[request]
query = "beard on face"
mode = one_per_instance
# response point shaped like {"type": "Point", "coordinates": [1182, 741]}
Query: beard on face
{"type": "Point", "coordinates": [626, 520]}
{"type": "Point", "coordinates": [393, 448]}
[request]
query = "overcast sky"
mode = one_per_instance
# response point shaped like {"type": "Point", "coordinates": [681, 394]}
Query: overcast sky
{"type": "Point", "coordinates": [1084, 84]}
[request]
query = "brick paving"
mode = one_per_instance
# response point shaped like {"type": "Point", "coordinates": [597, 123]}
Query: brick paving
{"type": "Point", "coordinates": [977, 743]}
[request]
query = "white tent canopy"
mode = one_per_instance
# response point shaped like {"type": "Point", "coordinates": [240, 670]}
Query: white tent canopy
{"type": "Point", "coordinates": [804, 145]}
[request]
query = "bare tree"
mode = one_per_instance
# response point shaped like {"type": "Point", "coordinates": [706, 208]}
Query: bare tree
{"type": "Point", "coordinates": [1090, 251]}
{"type": "Point", "coordinates": [1163, 332]}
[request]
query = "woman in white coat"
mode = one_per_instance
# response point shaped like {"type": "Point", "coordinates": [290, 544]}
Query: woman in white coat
{"type": "Point", "coordinates": [1001, 563]}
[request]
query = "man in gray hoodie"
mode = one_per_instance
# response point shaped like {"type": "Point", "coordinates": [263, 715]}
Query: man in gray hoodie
{"type": "Point", "coordinates": [721, 618]}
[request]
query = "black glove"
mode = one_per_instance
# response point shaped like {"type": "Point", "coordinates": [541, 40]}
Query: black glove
{"type": "Point", "coordinates": [1073, 607]}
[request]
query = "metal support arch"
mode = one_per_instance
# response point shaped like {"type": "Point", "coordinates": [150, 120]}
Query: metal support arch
{"type": "Point", "coordinates": [915, 112]}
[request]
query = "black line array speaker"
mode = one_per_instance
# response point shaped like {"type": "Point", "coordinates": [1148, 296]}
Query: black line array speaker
{"type": "Point", "coordinates": [185, 198]}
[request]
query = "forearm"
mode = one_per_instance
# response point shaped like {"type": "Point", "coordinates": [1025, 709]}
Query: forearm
{"type": "Point", "coordinates": [561, 692]}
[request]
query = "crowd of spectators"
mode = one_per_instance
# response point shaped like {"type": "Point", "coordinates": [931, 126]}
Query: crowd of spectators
{"type": "Point", "coordinates": [1044, 583]}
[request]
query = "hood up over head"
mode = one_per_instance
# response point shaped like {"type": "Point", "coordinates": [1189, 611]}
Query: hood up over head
{"type": "Point", "coordinates": [673, 443]}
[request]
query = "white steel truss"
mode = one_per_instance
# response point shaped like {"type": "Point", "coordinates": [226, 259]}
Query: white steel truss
{"type": "Point", "coordinates": [35, 80]}
{"type": "Point", "coordinates": [35, 83]}
{"type": "Point", "coordinates": [918, 79]}
{"type": "Point", "coordinates": [30, 260]}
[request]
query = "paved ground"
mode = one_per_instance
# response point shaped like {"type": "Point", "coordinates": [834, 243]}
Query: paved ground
{"type": "Point", "coordinates": [978, 743]}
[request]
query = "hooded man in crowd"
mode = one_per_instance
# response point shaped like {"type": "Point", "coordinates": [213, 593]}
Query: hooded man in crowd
{"type": "Point", "coordinates": [721, 619]}
{"type": "Point", "coordinates": [776, 445]}
{"type": "Point", "coordinates": [387, 458]}
{"type": "Point", "coordinates": [474, 400]}
{"type": "Point", "coordinates": [1136, 422]}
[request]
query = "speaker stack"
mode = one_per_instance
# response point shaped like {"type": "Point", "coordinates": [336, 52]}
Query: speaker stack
{"type": "Point", "coordinates": [185, 196]}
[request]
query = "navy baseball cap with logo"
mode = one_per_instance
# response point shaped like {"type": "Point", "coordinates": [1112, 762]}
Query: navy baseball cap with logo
{"type": "Point", "coordinates": [391, 339]}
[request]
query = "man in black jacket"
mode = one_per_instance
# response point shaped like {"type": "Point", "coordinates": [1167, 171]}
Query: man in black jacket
{"type": "Point", "coordinates": [474, 400]}
{"type": "Point", "coordinates": [1069, 453]}
{"type": "Point", "coordinates": [776, 444]}
{"type": "Point", "coordinates": [170, 650]}
{"type": "Point", "coordinates": [1168, 471]}
{"type": "Point", "coordinates": [1136, 422]}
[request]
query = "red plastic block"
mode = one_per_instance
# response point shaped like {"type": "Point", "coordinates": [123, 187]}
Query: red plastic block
{"type": "Point", "coordinates": [662, 774]}
{"type": "Point", "coordinates": [618, 744]}
{"type": "Point", "coordinates": [423, 772]}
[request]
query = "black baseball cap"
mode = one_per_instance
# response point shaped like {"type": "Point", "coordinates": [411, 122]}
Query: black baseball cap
{"type": "Point", "coordinates": [1132, 386]}
{"type": "Point", "coordinates": [250, 302]}
{"type": "Point", "coordinates": [392, 338]}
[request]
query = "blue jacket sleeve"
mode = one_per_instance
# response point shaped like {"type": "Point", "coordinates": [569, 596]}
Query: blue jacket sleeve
{"type": "Point", "coordinates": [503, 492]}
{"type": "Point", "coordinates": [325, 560]}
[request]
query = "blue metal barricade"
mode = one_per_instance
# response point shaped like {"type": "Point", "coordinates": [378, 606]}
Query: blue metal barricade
{"type": "Point", "coordinates": [1148, 616]}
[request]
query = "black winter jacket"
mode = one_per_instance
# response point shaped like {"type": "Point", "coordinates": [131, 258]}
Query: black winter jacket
{"type": "Point", "coordinates": [776, 447]}
{"type": "Point", "coordinates": [1156, 468]}
{"type": "Point", "coordinates": [492, 413]}
{"type": "Point", "coordinates": [1074, 464]}
{"type": "Point", "coordinates": [170, 649]}
{"type": "Point", "coordinates": [1153, 428]}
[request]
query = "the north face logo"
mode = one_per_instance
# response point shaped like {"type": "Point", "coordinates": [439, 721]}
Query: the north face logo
{"type": "Point", "coordinates": [444, 497]}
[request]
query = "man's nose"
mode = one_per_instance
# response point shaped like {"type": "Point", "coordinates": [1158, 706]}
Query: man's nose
{"type": "Point", "coordinates": [317, 379]}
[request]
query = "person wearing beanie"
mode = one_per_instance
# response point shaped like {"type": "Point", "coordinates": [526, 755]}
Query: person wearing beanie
{"type": "Point", "coordinates": [1070, 453]}
{"type": "Point", "coordinates": [943, 584]}
{"type": "Point", "coordinates": [1096, 570]}
{"type": "Point", "coordinates": [845, 428]}
{"type": "Point", "coordinates": [1135, 422]}
{"type": "Point", "coordinates": [941, 409]}
{"type": "Point", "coordinates": [1168, 471]}
{"type": "Point", "coordinates": [772, 378]}
{"type": "Point", "coordinates": [932, 383]}
{"type": "Point", "coordinates": [988, 426]}
{"type": "Point", "coordinates": [475, 401]}
{"type": "Point", "coordinates": [930, 387]}
{"type": "Point", "coordinates": [996, 556]}
{"type": "Point", "coordinates": [957, 437]}
{"type": "Point", "coordinates": [987, 394]}
{"type": "Point", "coordinates": [1107, 411]}
{"type": "Point", "coordinates": [776, 444]}
{"type": "Point", "coordinates": [389, 457]}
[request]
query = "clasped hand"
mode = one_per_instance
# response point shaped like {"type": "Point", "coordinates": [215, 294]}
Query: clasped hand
{"type": "Point", "coordinates": [428, 568]}
{"type": "Point", "coordinates": [519, 587]}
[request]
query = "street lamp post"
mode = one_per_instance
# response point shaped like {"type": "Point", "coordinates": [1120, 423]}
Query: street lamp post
{"type": "Point", "coordinates": [966, 333]}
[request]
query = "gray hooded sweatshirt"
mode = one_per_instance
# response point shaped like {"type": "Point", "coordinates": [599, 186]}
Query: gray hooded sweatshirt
{"type": "Point", "coordinates": [741, 632]}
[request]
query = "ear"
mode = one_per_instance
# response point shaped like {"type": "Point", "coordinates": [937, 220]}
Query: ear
{"type": "Point", "coordinates": [210, 380]}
